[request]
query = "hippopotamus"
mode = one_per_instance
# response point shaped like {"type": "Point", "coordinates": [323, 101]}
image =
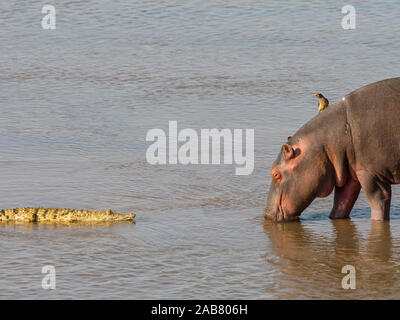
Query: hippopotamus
{"type": "Point", "coordinates": [353, 144]}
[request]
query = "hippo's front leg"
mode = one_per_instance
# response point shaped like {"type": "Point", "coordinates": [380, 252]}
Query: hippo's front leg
{"type": "Point", "coordinates": [378, 193]}
{"type": "Point", "coordinates": [344, 199]}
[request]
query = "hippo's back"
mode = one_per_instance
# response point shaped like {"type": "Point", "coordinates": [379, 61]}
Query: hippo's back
{"type": "Point", "coordinates": [373, 114]}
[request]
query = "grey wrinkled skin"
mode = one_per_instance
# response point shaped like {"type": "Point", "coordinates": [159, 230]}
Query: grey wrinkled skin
{"type": "Point", "coordinates": [353, 144]}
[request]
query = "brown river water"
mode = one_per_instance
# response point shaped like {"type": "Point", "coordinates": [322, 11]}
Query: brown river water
{"type": "Point", "coordinates": [77, 102]}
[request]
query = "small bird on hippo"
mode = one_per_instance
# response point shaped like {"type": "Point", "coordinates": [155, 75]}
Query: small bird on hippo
{"type": "Point", "coordinates": [323, 102]}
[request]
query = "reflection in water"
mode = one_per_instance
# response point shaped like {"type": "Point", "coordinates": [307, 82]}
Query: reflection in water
{"type": "Point", "coordinates": [380, 241]}
{"type": "Point", "coordinates": [29, 226]}
{"type": "Point", "coordinates": [311, 262]}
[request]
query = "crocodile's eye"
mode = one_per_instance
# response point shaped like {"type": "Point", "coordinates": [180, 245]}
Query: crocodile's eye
{"type": "Point", "coordinates": [275, 174]}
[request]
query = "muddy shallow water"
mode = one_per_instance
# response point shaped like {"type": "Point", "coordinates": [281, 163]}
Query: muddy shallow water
{"type": "Point", "coordinates": [193, 254]}
{"type": "Point", "coordinates": [77, 102]}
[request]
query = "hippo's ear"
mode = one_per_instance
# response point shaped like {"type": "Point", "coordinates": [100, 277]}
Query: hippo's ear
{"type": "Point", "coordinates": [288, 151]}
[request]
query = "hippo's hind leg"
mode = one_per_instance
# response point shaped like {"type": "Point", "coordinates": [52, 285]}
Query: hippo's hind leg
{"type": "Point", "coordinates": [344, 199]}
{"type": "Point", "coordinates": [378, 193]}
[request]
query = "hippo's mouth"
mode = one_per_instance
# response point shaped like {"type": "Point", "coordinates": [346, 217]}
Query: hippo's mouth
{"type": "Point", "coordinates": [278, 213]}
{"type": "Point", "coordinates": [282, 214]}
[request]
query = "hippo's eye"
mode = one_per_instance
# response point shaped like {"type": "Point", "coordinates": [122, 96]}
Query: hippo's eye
{"type": "Point", "coordinates": [275, 175]}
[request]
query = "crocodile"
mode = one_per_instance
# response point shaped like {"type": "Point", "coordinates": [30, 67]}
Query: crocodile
{"type": "Point", "coordinates": [61, 215]}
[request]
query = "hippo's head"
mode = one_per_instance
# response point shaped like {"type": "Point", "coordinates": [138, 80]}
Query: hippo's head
{"type": "Point", "coordinates": [301, 173]}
